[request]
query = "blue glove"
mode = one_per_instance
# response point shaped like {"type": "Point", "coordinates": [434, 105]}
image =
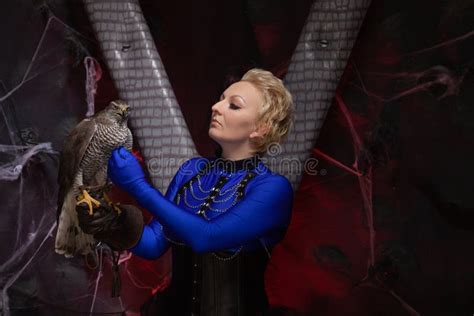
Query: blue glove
{"type": "Point", "coordinates": [125, 171]}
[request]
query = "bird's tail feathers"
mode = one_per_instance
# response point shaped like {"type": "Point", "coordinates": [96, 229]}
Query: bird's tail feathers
{"type": "Point", "coordinates": [70, 239]}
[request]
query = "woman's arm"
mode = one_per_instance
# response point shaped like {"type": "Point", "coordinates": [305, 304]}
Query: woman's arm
{"type": "Point", "coordinates": [266, 207]}
{"type": "Point", "coordinates": [153, 243]}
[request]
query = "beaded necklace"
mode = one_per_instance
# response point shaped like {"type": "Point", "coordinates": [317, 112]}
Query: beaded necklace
{"type": "Point", "coordinates": [236, 192]}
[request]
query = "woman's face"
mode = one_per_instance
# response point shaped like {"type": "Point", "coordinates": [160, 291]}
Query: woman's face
{"type": "Point", "coordinates": [234, 116]}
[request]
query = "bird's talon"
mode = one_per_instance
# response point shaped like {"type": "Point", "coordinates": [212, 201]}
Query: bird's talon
{"type": "Point", "coordinates": [111, 204]}
{"type": "Point", "coordinates": [117, 209]}
{"type": "Point", "coordinates": [89, 200]}
{"type": "Point", "coordinates": [107, 199]}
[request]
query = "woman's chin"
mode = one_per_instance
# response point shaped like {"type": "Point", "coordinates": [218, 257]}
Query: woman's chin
{"type": "Point", "coordinates": [212, 134]}
{"type": "Point", "coordinates": [217, 137]}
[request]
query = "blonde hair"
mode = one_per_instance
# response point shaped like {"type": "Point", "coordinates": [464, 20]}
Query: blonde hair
{"type": "Point", "coordinates": [277, 108]}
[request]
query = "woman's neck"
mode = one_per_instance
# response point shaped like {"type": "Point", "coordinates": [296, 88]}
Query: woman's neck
{"type": "Point", "coordinates": [234, 154]}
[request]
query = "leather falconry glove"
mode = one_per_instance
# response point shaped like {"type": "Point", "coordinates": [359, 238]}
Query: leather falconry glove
{"type": "Point", "coordinates": [119, 226]}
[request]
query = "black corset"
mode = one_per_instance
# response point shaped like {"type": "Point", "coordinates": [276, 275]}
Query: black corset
{"type": "Point", "coordinates": [205, 285]}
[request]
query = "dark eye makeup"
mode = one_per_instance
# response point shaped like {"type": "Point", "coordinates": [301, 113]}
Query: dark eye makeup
{"type": "Point", "coordinates": [232, 106]}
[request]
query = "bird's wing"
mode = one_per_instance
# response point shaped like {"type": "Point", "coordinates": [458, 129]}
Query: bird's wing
{"type": "Point", "coordinates": [71, 156]}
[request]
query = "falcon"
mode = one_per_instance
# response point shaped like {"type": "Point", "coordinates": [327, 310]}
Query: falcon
{"type": "Point", "coordinates": [83, 170]}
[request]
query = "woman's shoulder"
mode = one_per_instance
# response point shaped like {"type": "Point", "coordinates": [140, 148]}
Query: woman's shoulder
{"type": "Point", "coordinates": [265, 176]}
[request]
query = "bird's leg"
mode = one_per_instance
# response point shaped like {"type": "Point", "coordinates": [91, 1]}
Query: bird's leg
{"type": "Point", "coordinates": [109, 201]}
{"type": "Point", "coordinates": [89, 200]}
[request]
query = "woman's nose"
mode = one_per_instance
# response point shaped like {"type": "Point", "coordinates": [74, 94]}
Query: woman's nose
{"type": "Point", "coordinates": [216, 107]}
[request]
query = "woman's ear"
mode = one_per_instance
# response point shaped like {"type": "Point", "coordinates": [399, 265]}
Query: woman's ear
{"type": "Point", "coordinates": [260, 131]}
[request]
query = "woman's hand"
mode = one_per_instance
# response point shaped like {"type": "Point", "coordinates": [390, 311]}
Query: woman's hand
{"type": "Point", "coordinates": [125, 171]}
{"type": "Point", "coordinates": [119, 226]}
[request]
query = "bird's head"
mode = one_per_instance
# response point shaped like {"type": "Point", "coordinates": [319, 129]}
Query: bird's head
{"type": "Point", "coordinates": [118, 110]}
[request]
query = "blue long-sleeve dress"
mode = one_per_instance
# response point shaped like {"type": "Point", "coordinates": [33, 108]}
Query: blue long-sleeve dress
{"type": "Point", "coordinates": [222, 218]}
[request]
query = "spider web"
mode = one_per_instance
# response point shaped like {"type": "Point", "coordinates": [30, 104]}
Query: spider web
{"type": "Point", "coordinates": [38, 108]}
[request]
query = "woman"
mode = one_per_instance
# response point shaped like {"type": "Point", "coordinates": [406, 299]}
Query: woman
{"type": "Point", "coordinates": [222, 215]}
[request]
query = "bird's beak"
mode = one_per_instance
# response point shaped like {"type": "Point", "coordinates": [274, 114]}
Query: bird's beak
{"type": "Point", "coordinates": [125, 111]}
